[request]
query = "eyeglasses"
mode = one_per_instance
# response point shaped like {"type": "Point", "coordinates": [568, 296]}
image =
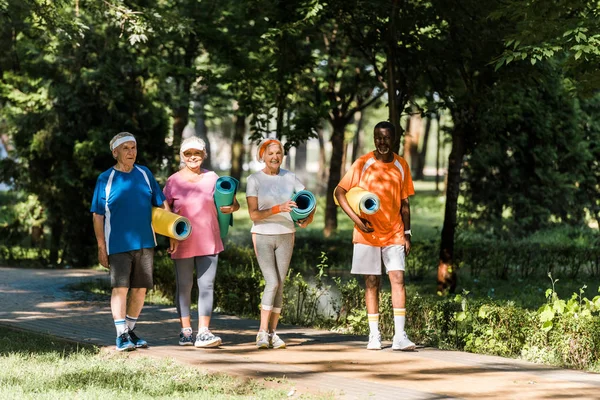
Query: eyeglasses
{"type": "Point", "coordinates": [196, 153]}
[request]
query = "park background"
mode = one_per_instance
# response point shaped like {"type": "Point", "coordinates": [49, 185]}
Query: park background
{"type": "Point", "coordinates": [498, 104]}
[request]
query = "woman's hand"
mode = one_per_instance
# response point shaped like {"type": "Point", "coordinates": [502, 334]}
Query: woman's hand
{"type": "Point", "coordinates": [233, 207]}
{"type": "Point", "coordinates": [303, 223]}
{"type": "Point", "coordinates": [173, 244]}
{"type": "Point", "coordinates": [287, 206]}
{"type": "Point", "coordinates": [226, 209]}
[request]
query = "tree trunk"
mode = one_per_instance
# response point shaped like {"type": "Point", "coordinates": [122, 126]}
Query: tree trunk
{"type": "Point", "coordinates": [202, 130]}
{"type": "Point", "coordinates": [180, 121]}
{"type": "Point", "coordinates": [437, 155]}
{"type": "Point", "coordinates": [181, 110]}
{"type": "Point", "coordinates": [322, 162]}
{"type": "Point", "coordinates": [237, 147]}
{"type": "Point", "coordinates": [300, 162]}
{"type": "Point", "coordinates": [56, 231]}
{"type": "Point", "coordinates": [415, 137]}
{"type": "Point", "coordinates": [392, 43]}
{"type": "Point", "coordinates": [335, 168]}
{"type": "Point", "coordinates": [360, 121]}
{"type": "Point", "coordinates": [447, 274]}
{"type": "Point", "coordinates": [419, 173]}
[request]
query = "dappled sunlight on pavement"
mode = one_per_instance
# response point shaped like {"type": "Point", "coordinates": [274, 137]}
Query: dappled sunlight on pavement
{"type": "Point", "coordinates": [314, 361]}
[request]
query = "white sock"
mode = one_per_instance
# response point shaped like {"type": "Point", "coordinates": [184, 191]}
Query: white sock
{"type": "Point", "coordinates": [399, 320]}
{"type": "Point", "coordinates": [121, 326]}
{"type": "Point", "coordinates": [130, 322]}
{"type": "Point", "coordinates": [373, 323]}
{"type": "Point", "coordinates": [187, 332]}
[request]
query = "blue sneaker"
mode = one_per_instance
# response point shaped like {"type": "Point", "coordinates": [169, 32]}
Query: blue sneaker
{"type": "Point", "coordinates": [124, 343]}
{"type": "Point", "coordinates": [138, 342]}
{"type": "Point", "coordinates": [186, 340]}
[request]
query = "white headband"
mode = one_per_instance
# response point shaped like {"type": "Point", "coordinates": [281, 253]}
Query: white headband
{"type": "Point", "coordinates": [193, 144]}
{"type": "Point", "coordinates": [122, 140]}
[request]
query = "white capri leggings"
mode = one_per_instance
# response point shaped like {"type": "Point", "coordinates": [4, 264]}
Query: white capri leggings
{"type": "Point", "coordinates": [274, 253]}
{"type": "Point", "coordinates": [206, 271]}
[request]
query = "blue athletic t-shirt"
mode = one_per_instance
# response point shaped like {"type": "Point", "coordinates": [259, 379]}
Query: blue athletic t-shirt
{"type": "Point", "coordinates": [128, 211]}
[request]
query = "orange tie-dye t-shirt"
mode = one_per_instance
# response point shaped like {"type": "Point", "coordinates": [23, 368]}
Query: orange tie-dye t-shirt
{"type": "Point", "coordinates": [392, 183]}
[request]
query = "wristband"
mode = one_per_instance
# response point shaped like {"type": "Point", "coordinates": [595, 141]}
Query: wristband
{"type": "Point", "coordinates": [276, 209]}
{"type": "Point", "coordinates": [408, 232]}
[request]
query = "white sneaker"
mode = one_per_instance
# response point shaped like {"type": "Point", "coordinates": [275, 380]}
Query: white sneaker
{"type": "Point", "coordinates": [262, 340]}
{"type": "Point", "coordinates": [401, 342]}
{"type": "Point", "coordinates": [374, 341]}
{"type": "Point", "coordinates": [275, 341]}
{"type": "Point", "coordinates": [205, 338]}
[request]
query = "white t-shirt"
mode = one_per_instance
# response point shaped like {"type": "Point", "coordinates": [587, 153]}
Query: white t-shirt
{"type": "Point", "coordinates": [270, 191]}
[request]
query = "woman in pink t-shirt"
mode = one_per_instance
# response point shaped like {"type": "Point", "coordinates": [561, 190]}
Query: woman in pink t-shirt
{"type": "Point", "coordinates": [190, 193]}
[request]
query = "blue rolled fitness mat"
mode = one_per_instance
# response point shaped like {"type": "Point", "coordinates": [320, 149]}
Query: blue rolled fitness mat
{"type": "Point", "coordinates": [306, 203]}
{"type": "Point", "coordinates": [170, 224]}
{"type": "Point", "coordinates": [225, 189]}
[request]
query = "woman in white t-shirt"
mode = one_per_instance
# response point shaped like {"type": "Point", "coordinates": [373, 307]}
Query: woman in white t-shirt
{"type": "Point", "coordinates": [269, 192]}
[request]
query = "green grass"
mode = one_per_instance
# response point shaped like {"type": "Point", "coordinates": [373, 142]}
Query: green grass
{"type": "Point", "coordinates": [50, 368]}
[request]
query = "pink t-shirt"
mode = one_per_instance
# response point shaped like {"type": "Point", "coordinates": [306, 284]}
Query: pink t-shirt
{"type": "Point", "coordinates": [195, 200]}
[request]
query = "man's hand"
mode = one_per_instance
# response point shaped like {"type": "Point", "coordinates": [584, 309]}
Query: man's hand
{"type": "Point", "coordinates": [365, 225]}
{"type": "Point", "coordinates": [103, 257]}
{"type": "Point", "coordinates": [407, 245]}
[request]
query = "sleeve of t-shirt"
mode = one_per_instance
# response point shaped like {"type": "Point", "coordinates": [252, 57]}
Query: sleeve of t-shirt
{"type": "Point", "coordinates": [298, 186]}
{"type": "Point", "coordinates": [99, 199]}
{"type": "Point", "coordinates": [167, 192]}
{"type": "Point", "coordinates": [352, 177]}
{"type": "Point", "coordinates": [158, 197]}
{"type": "Point", "coordinates": [252, 186]}
{"type": "Point", "coordinates": [408, 189]}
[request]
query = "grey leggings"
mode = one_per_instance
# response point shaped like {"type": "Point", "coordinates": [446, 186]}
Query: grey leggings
{"type": "Point", "coordinates": [273, 253]}
{"type": "Point", "coordinates": [206, 270]}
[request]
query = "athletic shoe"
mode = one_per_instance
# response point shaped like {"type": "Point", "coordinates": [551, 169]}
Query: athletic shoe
{"type": "Point", "coordinates": [262, 340]}
{"type": "Point", "coordinates": [124, 343]}
{"type": "Point", "coordinates": [138, 342]}
{"type": "Point", "coordinates": [401, 342]}
{"type": "Point", "coordinates": [374, 341]}
{"type": "Point", "coordinates": [207, 339]}
{"type": "Point", "coordinates": [186, 340]}
{"type": "Point", "coordinates": [275, 341]}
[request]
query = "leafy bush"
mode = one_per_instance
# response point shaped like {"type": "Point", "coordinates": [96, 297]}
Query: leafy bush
{"type": "Point", "coordinates": [567, 255]}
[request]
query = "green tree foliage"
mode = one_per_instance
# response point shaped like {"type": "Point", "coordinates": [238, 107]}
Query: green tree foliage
{"type": "Point", "coordinates": [392, 36]}
{"type": "Point", "coordinates": [526, 170]}
{"type": "Point", "coordinates": [569, 30]}
{"type": "Point", "coordinates": [64, 101]}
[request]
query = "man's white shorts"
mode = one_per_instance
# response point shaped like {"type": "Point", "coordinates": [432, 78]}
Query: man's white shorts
{"type": "Point", "coordinates": [366, 260]}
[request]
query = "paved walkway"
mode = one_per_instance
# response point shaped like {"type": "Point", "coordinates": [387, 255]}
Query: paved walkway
{"type": "Point", "coordinates": [315, 361]}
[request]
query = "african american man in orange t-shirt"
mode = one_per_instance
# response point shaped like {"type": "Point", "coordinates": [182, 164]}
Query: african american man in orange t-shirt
{"type": "Point", "coordinates": [385, 235]}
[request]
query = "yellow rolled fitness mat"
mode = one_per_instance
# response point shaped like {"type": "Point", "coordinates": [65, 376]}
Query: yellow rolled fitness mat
{"type": "Point", "coordinates": [361, 201]}
{"type": "Point", "coordinates": [170, 224]}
